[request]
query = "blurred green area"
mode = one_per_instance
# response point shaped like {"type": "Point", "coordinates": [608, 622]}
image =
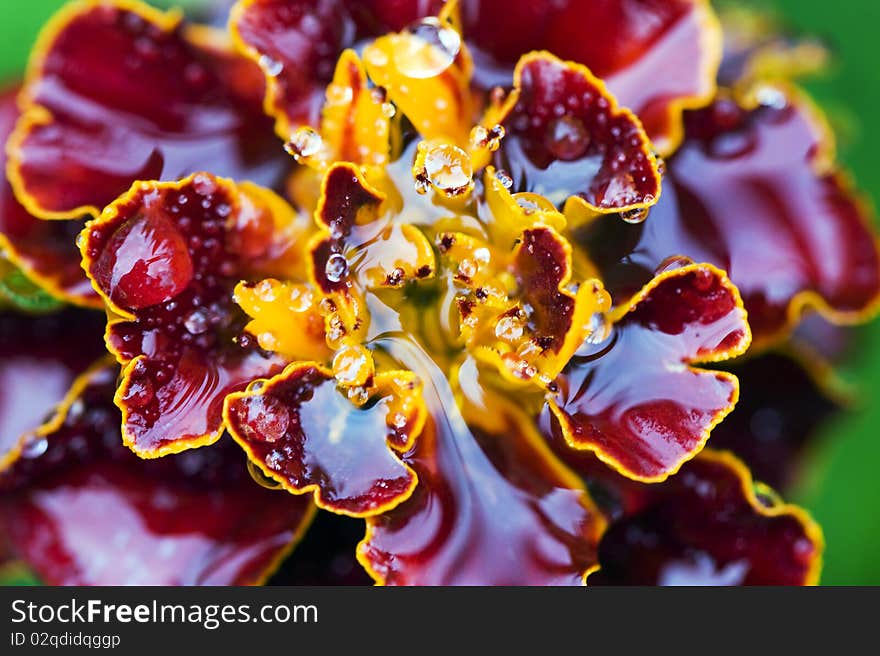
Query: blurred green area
{"type": "Point", "coordinates": [842, 485]}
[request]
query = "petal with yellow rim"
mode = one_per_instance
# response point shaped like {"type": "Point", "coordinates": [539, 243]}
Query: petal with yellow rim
{"type": "Point", "coordinates": [118, 92]}
{"type": "Point", "coordinates": [647, 425]}
{"type": "Point", "coordinates": [166, 257]}
{"type": "Point", "coordinates": [757, 193]}
{"type": "Point", "coordinates": [89, 512]}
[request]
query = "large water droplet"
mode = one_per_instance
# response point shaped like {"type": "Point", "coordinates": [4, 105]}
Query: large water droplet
{"type": "Point", "coordinates": [509, 328]}
{"type": "Point", "coordinates": [260, 478]}
{"type": "Point", "coordinates": [146, 262]}
{"type": "Point", "coordinates": [353, 365]}
{"type": "Point", "coordinates": [34, 448]}
{"type": "Point", "coordinates": [263, 418]}
{"type": "Point", "coordinates": [567, 138]}
{"type": "Point", "coordinates": [449, 169]}
{"type": "Point", "coordinates": [430, 49]}
{"type": "Point", "coordinates": [599, 327]}
{"type": "Point", "coordinates": [635, 215]}
{"type": "Point", "coordinates": [489, 139]}
{"type": "Point", "coordinates": [672, 263]}
{"type": "Point", "coordinates": [336, 267]}
{"type": "Point", "coordinates": [304, 143]}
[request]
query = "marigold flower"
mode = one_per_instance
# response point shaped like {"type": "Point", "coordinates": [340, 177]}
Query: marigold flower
{"type": "Point", "coordinates": [450, 268]}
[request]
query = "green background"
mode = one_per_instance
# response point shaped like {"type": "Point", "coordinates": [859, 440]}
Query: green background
{"type": "Point", "coordinates": [842, 485]}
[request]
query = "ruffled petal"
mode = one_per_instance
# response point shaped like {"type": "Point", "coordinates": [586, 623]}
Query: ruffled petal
{"type": "Point", "coordinates": [38, 367]}
{"type": "Point", "coordinates": [756, 193]}
{"type": "Point", "coordinates": [303, 432]}
{"type": "Point", "coordinates": [647, 426]}
{"type": "Point", "coordinates": [296, 43]}
{"type": "Point", "coordinates": [493, 507]}
{"type": "Point", "coordinates": [569, 141]}
{"type": "Point", "coordinates": [657, 56]}
{"type": "Point", "coordinates": [709, 525]}
{"type": "Point", "coordinates": [44, 250]}
{"type": "Point", "coordinates": [166, 258]}
{"type": "Point", "coordinates": [122, 92]}
{"type": "Point", "coordinates": [88, 512]}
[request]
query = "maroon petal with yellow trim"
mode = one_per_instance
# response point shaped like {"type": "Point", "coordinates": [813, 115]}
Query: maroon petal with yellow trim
{"type": "Point", "coordinates": [493, 507]}
{"type": "Point", "coordinates": [89, 512]}
{"type": "Point", "coordinates": [778, 417]}
{"type": "Point", "coordinates": [709, 525]}
{"type": "Point", "coordinates": [755, 192]}
{"type": "Point", "coordinates": [657, 56]}
{"type": "Point", "coordinates": [119, 92]}
{"type": "Point", "coordinates": [303, 432]}
{"type": "Point", "coordinates": [296, 43]}
{"type": "Point", "coordinates": [647, 425]}
{"type": "Point", "coordinates": [166, 258]}
{"type": "Point", "coordinates": [44, 250]}
{"type": "Point", "coordinates": [567, 137]}
{"type": "Point", "coordinates": [38, 365]}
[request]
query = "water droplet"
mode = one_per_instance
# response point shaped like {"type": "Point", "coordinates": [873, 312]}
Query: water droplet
{"type": "Point", "coordinates": [145, 262]}
{"type": "Point", "coordinates": [621, 190]}
{"type": "Point", "coordinates": [388, 109]}
{"type": "Point", "coordinates": [489, 139]}
{"type": "Point", "coordinates": [34, 448]}
{"type": "Point", "coordinates": [304, 143]}
{"type": "Point", "coordinates": [196, 322]}
{"type": "Point", "coordinates": [769, 96]}
{"type": "Point", "coordinates": [636, 215]}
{"type": "Point", "coordinates": [449, 169]}
{"type": "Point", "coordinates": [661, 165]}
{"type": "Point", "coordinates": [430, 49]}
{"type": "Point", "coordinates": [263, 418]}
{"type": "Point", "coordinates": [504, 178]}
{"type": "Point", "coordinates": [567, 138]}
{"type": "Point", "coordinates": [509, 328]}
{"type": "Point", "coordinates": [260, 478]}
{"type": "Point", "coordinates": [599, 328]}
{"type": "Point", "coordinates": [672, 263]}
{"type": "Point", "coordinates": [338, 94]}
{"type": "Point", "coordinates": [271, 67]}
{"type": "Point", "coordinates": [336, 267]}
{"type": "Point", "coordinates": [353, 365]}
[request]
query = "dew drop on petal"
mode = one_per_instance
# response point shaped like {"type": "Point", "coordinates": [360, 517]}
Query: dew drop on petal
{"type": "Point", "coordinates": [635, 216]}
{"type": "Point", "coordinates": [336, 267]}
{"type": "Point", "coordinates": [599, 328]}
{"type": "Point", "coordinates": [196, 322]}
{"type": "Point", "coordinates": [430, 49]}
{"type": "Point", "coordinates": [263, 418]}
{"type": "Point", "coordinates": [271, 67]}
{"type": "Point", "coordinates": [504, 178]}
{"type": "Point", "coordinates": [388, 109]}
{"type": "Point", "coordinates": [304, 143]}
{"type": "Point", "coordinates": [567, 138]}
{"type": "Point", "coordinates": [260, 478]}
{"type": "Point", "coordinates": [449, 169]}
{"type": "Point", "coordinates": [34, 448]}
{"type": "Point", "coordinates": [672, 263]}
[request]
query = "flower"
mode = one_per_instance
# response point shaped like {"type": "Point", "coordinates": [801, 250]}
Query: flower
{"type": "Point", "coordinates": [448, 268]}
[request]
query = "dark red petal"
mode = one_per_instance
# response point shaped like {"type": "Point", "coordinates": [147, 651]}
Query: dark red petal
{"type": "Point", "coordinates": [302, 431]}
{"type": "Point", "coordinates": [296, 43]}
{"type": "Point", "coordinates": [491, 508]}
{"type": "Point", "coordinates": [89, 512]}
{"type": "Point", "coordinates": [633, 399]}
{"type": "Point", "coordinates": [119, 94]}
{"type": "Point", "coordinates": [756, 193]}
{"type": "Point", "coordinates": [40, 357]}
{"type": "Point", "coordinates": [566, 136]}
{"type": "Point", "coordinates": [44, 250]}
{"type": "Point", "coordinates": [779, 415]}
{"type": "Point", "coordinates": [657, 56]}
{"type": "Point", "coordinates": [166, 257]}
{"type": "Point", "coordinates": [709, 525]}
